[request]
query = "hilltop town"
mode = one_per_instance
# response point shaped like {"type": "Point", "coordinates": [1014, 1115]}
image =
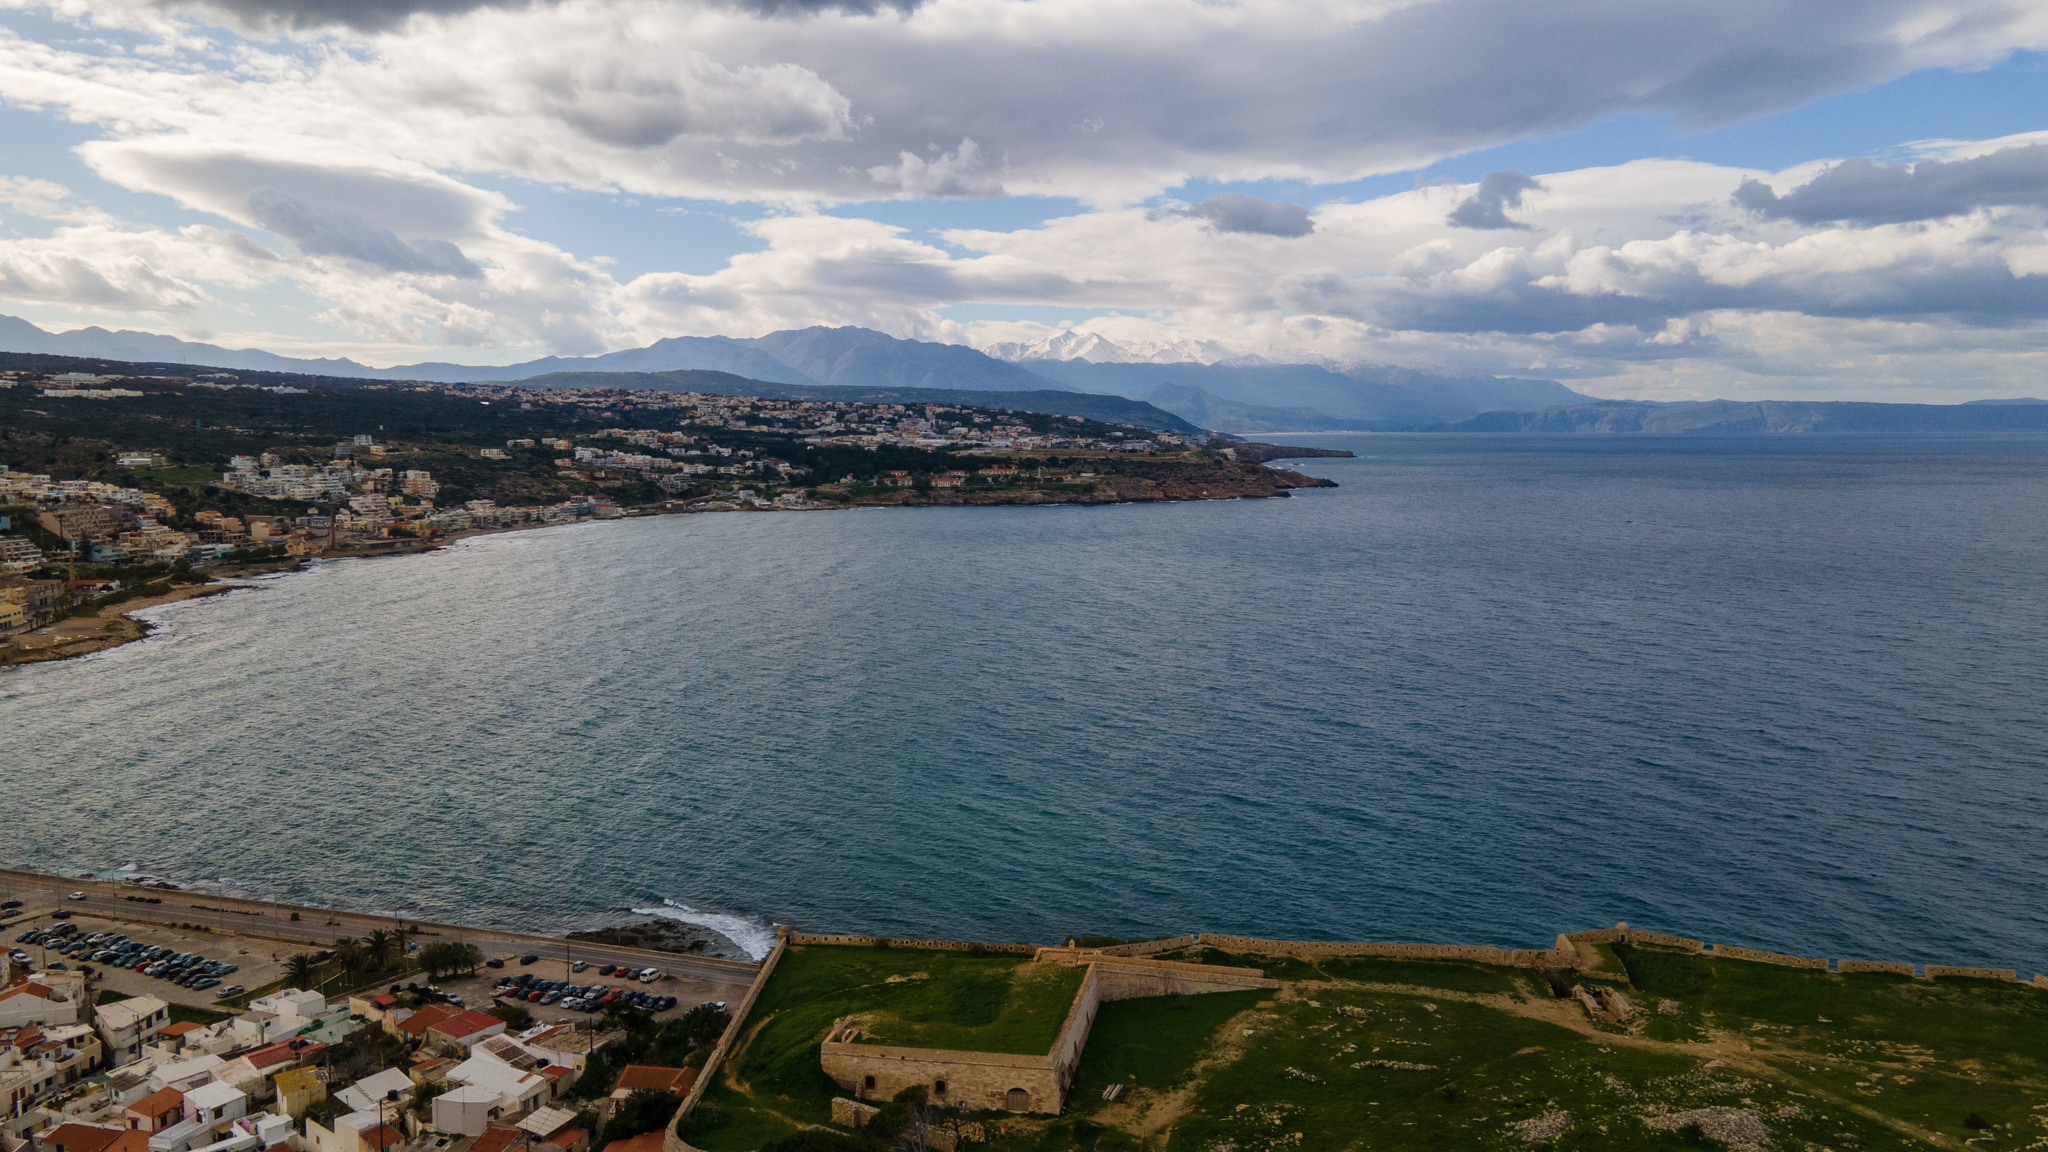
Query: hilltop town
{"type": "Point", "coordinates": [116, 488]}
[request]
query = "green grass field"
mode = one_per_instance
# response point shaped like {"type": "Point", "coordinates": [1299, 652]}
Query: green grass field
{"type": "Point", "coordinates": [911, 997]}
{"type": "Point", "coordinates": [1372, 1054]}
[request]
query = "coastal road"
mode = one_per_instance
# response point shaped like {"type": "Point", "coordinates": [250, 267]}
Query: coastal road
{"type": "Point", "coordinates": [321, 927]}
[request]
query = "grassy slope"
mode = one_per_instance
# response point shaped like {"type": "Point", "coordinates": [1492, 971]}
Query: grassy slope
{"type": "Point", "coordinates": [944, 1000]}
{"type": "Point", "coordinates": [1823, 1061]}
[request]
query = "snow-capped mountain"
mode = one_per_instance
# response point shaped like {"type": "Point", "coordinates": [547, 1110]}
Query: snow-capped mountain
{"type": "Point", "coordinates": [1096, 348]}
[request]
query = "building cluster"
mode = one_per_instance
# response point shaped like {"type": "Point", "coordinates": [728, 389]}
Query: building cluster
{"type": "Point", "coordinates": [123, 1077]}
{"type": "Point", "coordinates": [931, 426]}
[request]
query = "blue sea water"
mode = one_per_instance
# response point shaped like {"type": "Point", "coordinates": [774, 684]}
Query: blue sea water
{"type": "Point", "coordinates": [1784, 693]}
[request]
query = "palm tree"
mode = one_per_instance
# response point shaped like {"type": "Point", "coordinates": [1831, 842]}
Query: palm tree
{"type": "Point", "coordinates": [301, 972]}
{"type": "Point", "coordinates": [382, 944]}
{"type": "Point", "coordinates": [349, 953]}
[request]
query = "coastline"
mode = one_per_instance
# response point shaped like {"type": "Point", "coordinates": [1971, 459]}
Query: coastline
{"type": "Point", "coordinates": [107, 628]}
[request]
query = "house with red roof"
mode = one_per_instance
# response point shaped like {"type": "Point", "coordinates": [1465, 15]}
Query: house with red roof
{"type": "Point", "coordinates": [33, 1002]}
{"type": "Point", "coordinates": [462, 1031]}
{"type": "Point", "coordinates": [157, 1111]}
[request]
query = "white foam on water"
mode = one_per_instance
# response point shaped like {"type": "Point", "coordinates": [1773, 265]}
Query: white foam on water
{"type": "Point", "coordinates": [754, 937]}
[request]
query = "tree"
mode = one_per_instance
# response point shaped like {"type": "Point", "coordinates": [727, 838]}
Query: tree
{"type": "Point", "coordinates": [380, 947]}
{"type": "Point", "coordinates": [301, 972]}
{"type": "Point", "coordinates": [350, 955]}
{"type": "Point", "coordinates": [447, 956]}
{"type": "Point", "coordinates": [644, 1111]}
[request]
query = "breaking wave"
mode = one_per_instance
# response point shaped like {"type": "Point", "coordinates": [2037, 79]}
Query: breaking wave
{"type": "Point", "coordinates": [755, 937]}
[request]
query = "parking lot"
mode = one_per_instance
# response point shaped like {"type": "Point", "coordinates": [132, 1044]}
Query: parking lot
{"type": "Point", "coordinates": [258, 961]}
{"type": "Point", "coordinates": [479, 991]}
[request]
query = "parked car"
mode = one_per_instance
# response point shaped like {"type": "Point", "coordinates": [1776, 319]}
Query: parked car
{"type": "Point", "coordinates": [528, 958]}
{"type": "Point", "coordinates": [18, 956]}
{"type": "Point", "coordinates": [9, 905]}
{"type": "Point", "coordinates": [650, 976]}
{"type": "Point", "coordinates": [230, 990]}
{"type": "Point", "coordinates": [60, 915]}
{"type": "Point", "coordinates": [494, 962]}
{"type": "Point", "coordinates": [579, 966]}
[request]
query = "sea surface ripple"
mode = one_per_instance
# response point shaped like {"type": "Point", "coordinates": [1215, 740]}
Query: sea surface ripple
{"type": "Point", "coordinates": [1781, 693]}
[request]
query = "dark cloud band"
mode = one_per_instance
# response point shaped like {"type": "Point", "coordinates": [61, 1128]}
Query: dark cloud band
{"type": "Point", "coordinates": [1238, 212]}
{"type": "Point", "coordinates": [382, 15]}
{"type": "Point", "coordinates": [1863, 192]}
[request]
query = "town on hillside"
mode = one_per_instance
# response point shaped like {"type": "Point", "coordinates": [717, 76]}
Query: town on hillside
{"type": "Point", "coordinates": [114, 487]}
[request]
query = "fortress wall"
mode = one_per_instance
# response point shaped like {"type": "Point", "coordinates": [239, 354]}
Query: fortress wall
{"type": "Point", "coordinates": [1658, 939]}
{"type": "Point", "coordinates": [1936, 971]}
{"type": "Point", "coordinates": [1148, 947]}
{"type": "Point", "coordinates": [1614, 935]}
{"type": "Point", "coordinates": [1731, 952]}
{"type": "Point", "coordinates": [1314, 949]}
{"type": "Point", "coordinates": [1073, 1037]}
{"type": "Point", "coordinates": [670, 1142]}
{"type": "Point", "coordinates": [903, 942]}
{"type": "Point", "coordinates": [974, 1080]}
{"type": "Point", "coordinates": [1894, 968]}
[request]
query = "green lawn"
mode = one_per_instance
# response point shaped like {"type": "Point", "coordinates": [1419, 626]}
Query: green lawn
{"type": "Point", "coordinates": [1382, 1055]}
{"type": "Point", "coordinates": [997, 1003]}
{"type": "Point", "coordinates": [1153, 1042]}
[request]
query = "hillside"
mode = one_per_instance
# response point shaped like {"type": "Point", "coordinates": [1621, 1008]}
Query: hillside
{"type": "Point", "coordinates": [1052, 402]}
{"type": "Point", "coordinates": [1645, 1046]}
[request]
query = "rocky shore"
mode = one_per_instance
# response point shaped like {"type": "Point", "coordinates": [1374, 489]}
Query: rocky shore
{"type": "Point", "coordinates": [659, 934]}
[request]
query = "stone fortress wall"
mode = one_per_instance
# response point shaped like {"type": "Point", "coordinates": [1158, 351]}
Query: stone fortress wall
{"type": "Point", "coordinates": [1123, 972]}
{"type": "Point", "coordinates": [989, 1080]}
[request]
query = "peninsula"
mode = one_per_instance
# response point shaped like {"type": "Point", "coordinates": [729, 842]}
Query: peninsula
{"type": "Point", "coordinates": [135, 485]}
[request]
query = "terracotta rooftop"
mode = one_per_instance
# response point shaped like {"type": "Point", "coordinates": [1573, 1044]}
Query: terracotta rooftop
{"type": "Point", "coordinates": [466, 1024]}
{"type": "Point", "coordinates": [83, 1137]}
{"type": "Point", "coordinates": [495, 1139]}
{"type": "Point", "coordinates": [656, 1078]}
{"type": "Point", "coordinates": [418, 1023]}
{"type": "Point", "coordinates": [158, 1102]}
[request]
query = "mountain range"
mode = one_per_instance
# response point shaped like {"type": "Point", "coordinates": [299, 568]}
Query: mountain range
{"type": "Point", "coordinates": [1237, 395]}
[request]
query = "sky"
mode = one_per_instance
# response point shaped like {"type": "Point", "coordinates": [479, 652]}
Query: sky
{"type": "Point", "coordinates": [1768, 199]}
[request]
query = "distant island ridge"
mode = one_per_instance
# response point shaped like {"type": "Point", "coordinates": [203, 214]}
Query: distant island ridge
{"type": "Point", "coordinates": [1234, 396]}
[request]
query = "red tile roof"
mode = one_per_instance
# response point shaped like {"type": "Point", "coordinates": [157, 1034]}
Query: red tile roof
{"type": "Point", "coordinates": [418, 1023]}
{"type": "Point", "coordinates": [656, 1078]}
{"type": "Point", "coordinates": [466, 1024]}
{"type": "Point", "coordinates": [133, 1140]}
{"type": "Point", "coordinates": [178, 1029]}
{"type": "Point", "coordinates": [496, 1140]}
{"type": "Point", "coordinates": [81, 1137]}
{"type": "Point", "coordinates": [382, 1136]}
{"type": "Point", "coordinates": [31, 988]}
{"type": "Point", "coordinates": [568, 1137]}
{"type": "Point", "coordinates": [157, 1103]}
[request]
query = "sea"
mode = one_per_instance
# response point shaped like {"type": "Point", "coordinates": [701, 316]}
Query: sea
{"type": "Point", "coordinates": [1783, 692]}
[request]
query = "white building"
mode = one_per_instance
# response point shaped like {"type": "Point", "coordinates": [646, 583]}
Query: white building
{"type": "Point", "coordinates": [34, 1002]}
{"type": "Point", "coordinates": [489, 1089]}
{"type": "Point", "coordinates": [390, 1086]}
{"type": "Point", "coordinates": [127, 1025]}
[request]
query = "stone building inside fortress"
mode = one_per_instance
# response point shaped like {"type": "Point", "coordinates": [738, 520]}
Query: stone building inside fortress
{"type": "Point", "coordinates": [995, 1080]}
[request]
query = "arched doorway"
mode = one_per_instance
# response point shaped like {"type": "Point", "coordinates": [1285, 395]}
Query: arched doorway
{"type": "Point", "coordinates": [1017, 1100]}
